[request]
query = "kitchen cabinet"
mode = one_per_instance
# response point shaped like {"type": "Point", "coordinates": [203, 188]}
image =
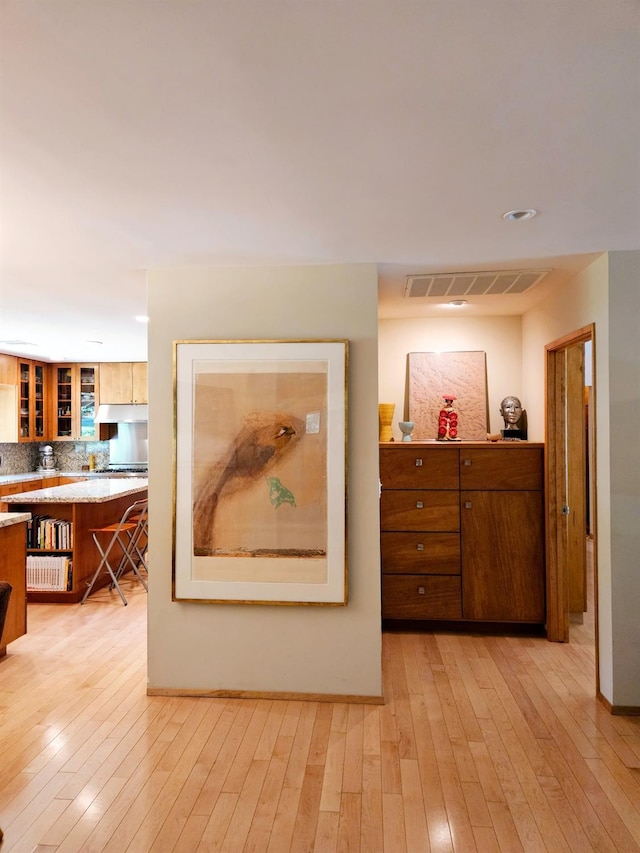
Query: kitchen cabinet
{"type": "Point", "coordinates": [13, 549]}
{"type": "Point", "coordinates": [8, 398]}
{"type": "Point", "coordinates": [8, 369]}
{"type": "Point", "coordinates": [75, 394]}
{"type": "Point", "coordinates": [139, 382]}
{"type": "Point", "coordinates": [33, 396]}
{"type": "Point", "coordinates": [123, 382]}
{"type": "Point", "coordinates": [462, 532]}
{"type": "Point", "coordinates": [17, 488]}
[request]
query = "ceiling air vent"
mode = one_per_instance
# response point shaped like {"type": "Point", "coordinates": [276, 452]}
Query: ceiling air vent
{"type": "Point", "coordinates": [486, 283]}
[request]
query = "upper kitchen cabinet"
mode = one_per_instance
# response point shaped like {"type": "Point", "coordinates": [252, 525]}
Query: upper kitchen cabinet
{"type": "Point", "coordinates": [123, 382]}
{"type": "Point", "coordinates": [33, 424]}
{"type": "Point", "coordinates": [8, 369]}
{"type": "Point", "coordinates": [8, 397]}
{"type": "Point", "coordinates": [75, 392]}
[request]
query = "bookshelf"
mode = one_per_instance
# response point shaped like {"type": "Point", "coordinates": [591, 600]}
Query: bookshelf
{"type": "Point", "coordinates": [83, 516]}
{"type": "Point", "coordinates": [49, 554]}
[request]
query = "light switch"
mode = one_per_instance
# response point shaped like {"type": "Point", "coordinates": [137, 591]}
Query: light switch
{"type": "Point", "coordinates": [313, 422]}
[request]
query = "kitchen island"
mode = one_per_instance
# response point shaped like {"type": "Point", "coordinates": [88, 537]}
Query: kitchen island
{"type": "Point", "coordinates": [85, 505]}
{"type": "Point", "coordinates": [12, 548]}
{"type": "Point", "coordinates": [13, 484]}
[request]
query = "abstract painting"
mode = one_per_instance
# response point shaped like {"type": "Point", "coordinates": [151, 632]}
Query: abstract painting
{"type": "Point", "coordinates": [259, 514]}
{"type": "Point", "coordinates": [463, 375]}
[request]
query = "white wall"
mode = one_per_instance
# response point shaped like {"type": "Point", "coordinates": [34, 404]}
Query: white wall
{"type": "Point", "coordinates": [582, 301]}
{"type": "Point", "coordinates": [624, 452]}
{"type": "Point", "coordinates": [607, 293]}
{"type": "Point", "coordinates": [499, 337]}
{"type": "Point", "coordinates": [326, 650]}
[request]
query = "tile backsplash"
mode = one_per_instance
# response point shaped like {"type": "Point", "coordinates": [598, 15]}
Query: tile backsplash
{"type": "Point", "coordinates": [23, 458]}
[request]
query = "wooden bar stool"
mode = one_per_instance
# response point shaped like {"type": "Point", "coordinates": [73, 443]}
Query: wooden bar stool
{"type": "Point", "coordinates": [121, 545]}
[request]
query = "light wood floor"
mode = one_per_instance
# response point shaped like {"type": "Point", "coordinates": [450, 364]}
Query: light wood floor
{"type": "Point", "coordinates": [484, 744]}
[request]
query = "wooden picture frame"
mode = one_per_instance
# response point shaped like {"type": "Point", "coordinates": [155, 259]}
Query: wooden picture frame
{"type": "Point", "coordinates": [259, 503]}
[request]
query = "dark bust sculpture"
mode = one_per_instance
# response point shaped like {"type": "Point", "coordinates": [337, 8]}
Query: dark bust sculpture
{"type": "Point", "coordinates": [515, 419]}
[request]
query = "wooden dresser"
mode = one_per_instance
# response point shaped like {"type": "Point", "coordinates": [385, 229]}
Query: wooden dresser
{"type": "Point", "coordinates": [462, 531]}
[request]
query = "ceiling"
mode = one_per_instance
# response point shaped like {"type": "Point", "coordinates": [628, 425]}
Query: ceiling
{"type": "Point", "coordinates": [155, 134]}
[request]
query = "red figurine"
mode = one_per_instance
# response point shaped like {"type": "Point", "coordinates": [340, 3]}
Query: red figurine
{"type": "Point", "coordinates": [448, 420]}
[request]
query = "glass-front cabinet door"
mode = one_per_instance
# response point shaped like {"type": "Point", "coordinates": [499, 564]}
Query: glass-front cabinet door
{"type": "Point", "coordinates": [88, 378]}
{"type": "Point", "coordinates": [24, 401]}
{"type": "Point", "coordinates": [63, 423]}
{"type": "Point", "coordinates": [39, 402]}
{"type": "Point", "coordinates": [32, 401]}
{"type": "Point", "coordinates": [76, 402]}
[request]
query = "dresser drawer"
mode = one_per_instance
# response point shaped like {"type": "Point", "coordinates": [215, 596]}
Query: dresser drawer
{"type": "Point", "coordinates": [502, 467]}
{"type": "Point", "coordinates": [421, 597]}
{"type": "Point", "coordinates": [420, 510]}
{"type": "Point", "coordinates": [404, 467]}
{"type": "Point", "coordinates": [420, 553]}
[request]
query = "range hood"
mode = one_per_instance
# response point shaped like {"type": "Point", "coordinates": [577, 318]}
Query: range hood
{"type": "Point", "coordinates": [122, 413]}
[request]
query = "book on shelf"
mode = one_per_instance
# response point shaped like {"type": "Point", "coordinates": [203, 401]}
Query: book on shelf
{"type": "Point", "coordinates": [50, 572]}
{"type": "Point", "coordinates": [49, 534]}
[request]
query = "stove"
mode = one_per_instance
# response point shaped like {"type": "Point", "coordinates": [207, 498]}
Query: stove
{"type": "Point", "coordinates": [123, 471]}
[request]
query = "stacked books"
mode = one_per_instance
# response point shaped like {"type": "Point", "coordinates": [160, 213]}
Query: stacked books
{"type": "Point", "coordinates": [49, 534]}
{"type": "Point", "coordinates": [49, 573]}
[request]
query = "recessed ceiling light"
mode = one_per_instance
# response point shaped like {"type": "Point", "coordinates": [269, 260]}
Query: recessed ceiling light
{"type": "Point", "coordinates": [520, 214]}
{"type": "Point", "coordinates": [142, 318]}
{"type": "Point", "coordinates": [100, 343]}
{"type": "Point", "coordinates": [457, 303]}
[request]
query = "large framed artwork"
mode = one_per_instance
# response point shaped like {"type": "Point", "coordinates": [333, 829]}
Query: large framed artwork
{"type": "Point", "coordinates": [463, 375]}
{"type": "Point", "coordinates": [260, 433]}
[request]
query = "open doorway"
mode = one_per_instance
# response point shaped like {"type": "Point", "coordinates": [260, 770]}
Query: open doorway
{"type": "Point", "coordinates": [571, 497]}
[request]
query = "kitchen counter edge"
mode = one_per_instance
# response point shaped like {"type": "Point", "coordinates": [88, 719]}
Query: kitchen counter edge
{"type": "Point", "coordinates": [88, 491]}
{"type": "Point", "coordinates": [9, 518]}
{"type": "Point", "coordinates": [25, 477]}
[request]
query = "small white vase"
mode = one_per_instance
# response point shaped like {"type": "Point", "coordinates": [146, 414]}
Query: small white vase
{"type": "Point", "coordinates": [406, 428]}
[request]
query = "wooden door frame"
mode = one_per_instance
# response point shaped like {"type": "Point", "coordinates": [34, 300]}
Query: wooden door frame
{"type": "Point", "coordinates": [557, 595]}
{"type": "Point", "coordinates": [577, 487]}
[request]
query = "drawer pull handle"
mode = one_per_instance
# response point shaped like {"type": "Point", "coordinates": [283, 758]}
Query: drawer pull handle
{"type": "Point", "coordinates": [421, 590]}
{"type": "Point", "coordinates": [466, 462]}
{"type": "Point", "coordinates": [419, 505]}
{"type": "Point", "coordinates": [420, 546]}
{"type": "Point", "coordinates": [467, 504]}
{"type": "Point", "coordinates": [418, 463]}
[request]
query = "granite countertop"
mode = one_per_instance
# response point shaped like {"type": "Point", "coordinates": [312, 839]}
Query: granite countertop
{"type": "Point", "coordinates": [8, 518]}
{"type": "Point", "coordinates": [89, 491]}
{"type": "Point", "coordinates": [7, 479]}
